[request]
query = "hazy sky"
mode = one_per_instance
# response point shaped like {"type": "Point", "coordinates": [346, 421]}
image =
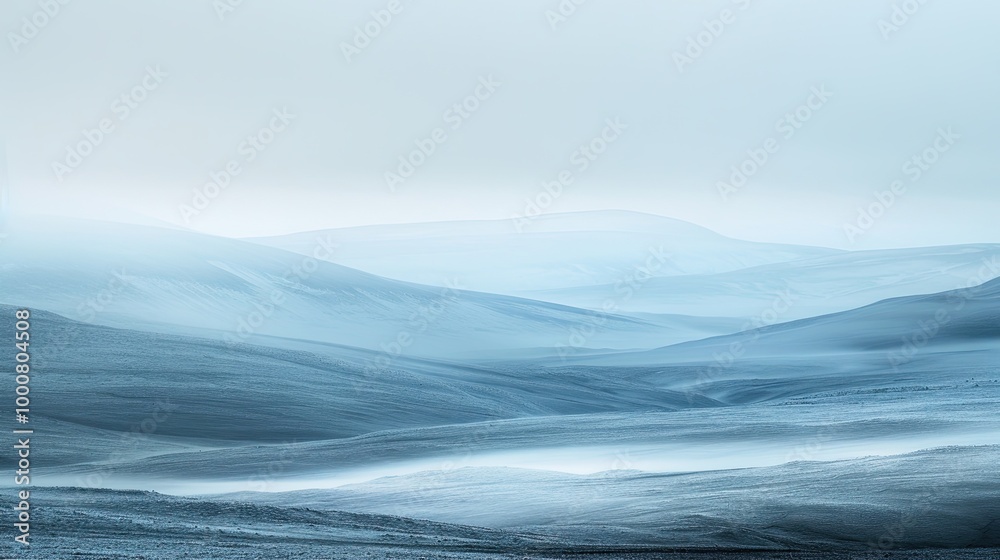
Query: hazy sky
{"type": "Point", "coordinates": [199, 80]}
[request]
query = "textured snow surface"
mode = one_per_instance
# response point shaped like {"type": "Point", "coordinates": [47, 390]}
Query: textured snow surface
{"type": "Point", "coordinates": [862, 418]}
{"type": "Point", "coordinates": [114, 525]}
{"type": "Point", "coordinates": [941, 498]}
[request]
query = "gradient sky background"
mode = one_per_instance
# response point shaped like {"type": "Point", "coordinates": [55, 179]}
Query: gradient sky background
{"type": "Point", "coordinates": [610, 59]}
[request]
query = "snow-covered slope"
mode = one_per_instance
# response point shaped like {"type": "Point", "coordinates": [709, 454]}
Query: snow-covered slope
{"type": "Point", "coordinates": [946, 497]}
{"type": "Point", "coordinates": [148, 526]}
{"type": "Point", "coordinates": [181, 282]}
{"type": "Point", "coordinates": [649, 264]}
{"type": "Point", "coordinates": [895, 329]}
{"type": "Point", "coordinates": [800, 288]}
{"type": "Point", "coordinates": [212, 393]}
{"type": "Point", "coordinates": [553, 251]}
{"type": "Point", "coordinates": [420, 413]}
{"type": "Point", "coordinates": [824, 431]}
{"type": "Point", "coordinates": [823, 425]}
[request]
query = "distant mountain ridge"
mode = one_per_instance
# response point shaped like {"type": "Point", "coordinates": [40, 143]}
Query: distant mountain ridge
{"type": "Point", "coordinates": [174, 281]}
{"type": "Point", "coordinates": [555, 251]}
